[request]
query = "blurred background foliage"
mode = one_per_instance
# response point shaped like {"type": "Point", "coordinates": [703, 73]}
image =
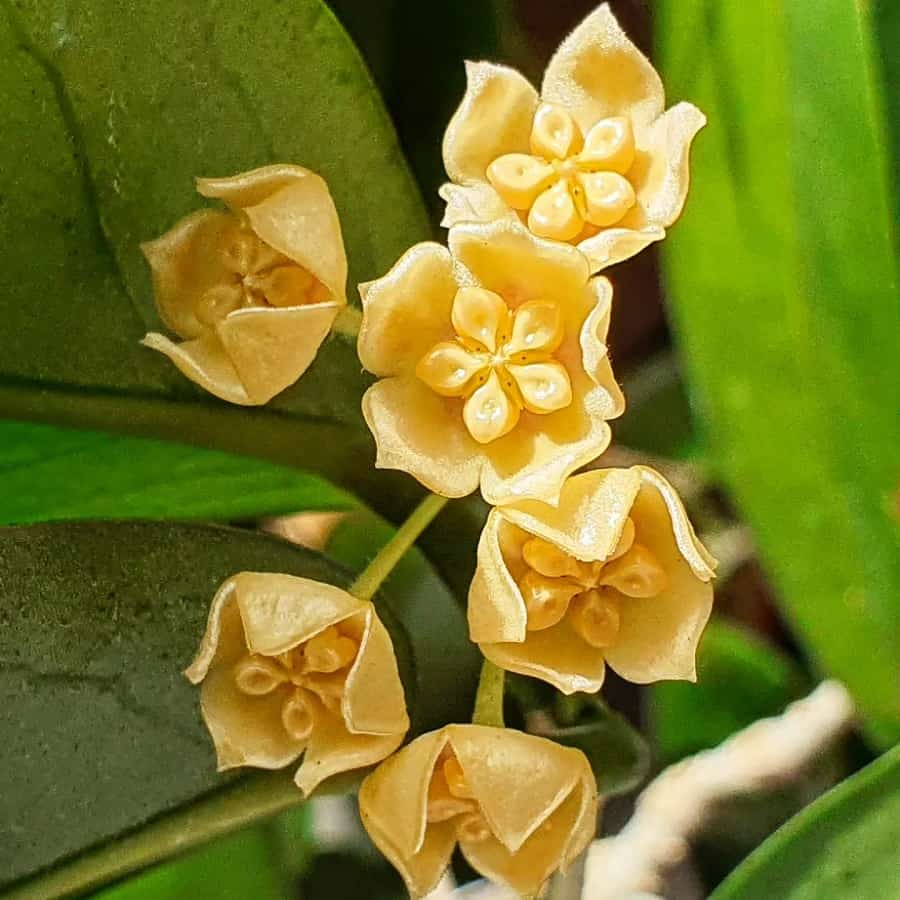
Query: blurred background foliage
{"type": "Point", "coordinates": [758, 347]}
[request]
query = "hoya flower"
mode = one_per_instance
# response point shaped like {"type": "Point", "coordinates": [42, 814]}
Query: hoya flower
{"type": "Point", "coordinates": [595, 160]}
{"type": "Point", "coordinates": [252, 291]}
{"type": "Point", "coordinates": [519, 806]}
{"type": "Point", "coordinates": [614, 574]}
{"type": "Point", "coordinates": [291, 666]}
{"type": "Point", "coordinates": [493, 363]}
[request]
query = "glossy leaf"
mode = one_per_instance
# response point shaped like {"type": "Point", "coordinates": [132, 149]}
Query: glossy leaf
{"type": "Point", "coordinates": [740, 679]}
{"type": "Point", "coordinates": [110, 110]}
{"type": "Point", "coordinates": [51, 473]}
{"type": "Point", "coordinates": [783, 280]}
{"type": "Point", "coordinates": [843, 845]}
{"type": "Point", "coordinates": [101, 731]}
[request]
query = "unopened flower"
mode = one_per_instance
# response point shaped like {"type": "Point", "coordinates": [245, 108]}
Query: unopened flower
{"type": "Point", "coordinates": [595, 160]}
{"type": "Point", "coordinates": [519, 806]}
{"type": "Point", "coordinates": [252, 291]}
{"type": "Point", "coordinates": [614, 575]}
{"type": "Point", "coordinates": [493, 363]}
{"type": "Point", "coordinates": [292, 666]}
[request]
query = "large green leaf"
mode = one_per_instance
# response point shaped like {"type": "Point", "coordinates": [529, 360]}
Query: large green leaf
{"type": "Point", "coordinates": [783, 279]}
{"type": "Point", "coordinates": [740, 679]}
{"type": "Point", "coordinates": [842, 846]}
{"type": "Point", "coordinates": [100, 730]}
{"type": "Point", "coordinates": [110, 110]}
{"type": "Point", "coordinates": [51, 473]}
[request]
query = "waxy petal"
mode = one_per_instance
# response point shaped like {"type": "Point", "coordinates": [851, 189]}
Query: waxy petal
{"type": "Point", "coordinates": [614, 245]}
{"type": "Point", "coordinates": [481, 317]}
{"type": "Point", "coordinates": [544, 387]}
{"type": "Point", "coordinates": [555, 215]}
{"type": "Point", "coordinates": [448, 369]}
{"type": "Point", "coordinates": [607, 197]}
{"type": "Point", "coordinates": [490, 412]}
{"type": "Point", "coordinates": [478, 202]}
{"type": "Point", "coordinates": [494, 118]}
{"type": "Point", "coordinates": [537, 327]}
{"type": "Point", "coordinates": [519, 177]}
{"type": "Point", "coordinates": [609, 146]}
{"type": "Point", "coordinates": [554, 133]}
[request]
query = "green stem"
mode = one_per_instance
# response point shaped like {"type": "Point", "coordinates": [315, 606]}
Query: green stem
{"type": "Point", "coordinates": [348, 321]}
{"type": "Point", "coordinates": [489, 699]}
{"type": "Point", "coordinates": [213, 816]}
{"type": "Point", "coordinates": [233, 807]}
{"type": "Point", "coordinates": [392, 552]}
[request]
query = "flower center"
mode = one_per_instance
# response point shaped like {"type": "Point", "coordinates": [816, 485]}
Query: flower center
{"type": "Point", "coordinates": [317, 667]}
{"type": "Point", "coordinates": [255, 275]}
{"type": "Point", "coordinates": [591, 594]}
{"type": "Point", "coordinates": [450, 797]}
{"type": "Point", "coordinates": [501, 362]}
{"type": "Point", "coordinates": [569, 184]}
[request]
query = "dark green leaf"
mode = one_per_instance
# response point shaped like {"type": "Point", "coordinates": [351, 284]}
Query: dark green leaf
{"type": "Point", "coordinates": [415, 593]}
{"type": "Point", "coordinates": [739, 679]}
{"type": "Point", "coordinates": [110, 110]}
{"type": "Point", "coordinates": [53, 473]}
{"type": "Point", "coordinates": [842, 846]}
{"type": "Point", "coordinates": [100, 730]}
{"type": "Point", "coordinates": [783, 278]}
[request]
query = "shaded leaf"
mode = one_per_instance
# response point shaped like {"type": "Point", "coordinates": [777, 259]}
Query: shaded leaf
{"type": "Point", "coordinates": [843, 845]}
{"type": "Point", "coordinates": [740, 679]}
{"type": "Point", "coordinates": [51, 473]}
{"type": "Point", "coordinates": [101, 730]}
{"type": "Point", "coordinates": [784, 290]}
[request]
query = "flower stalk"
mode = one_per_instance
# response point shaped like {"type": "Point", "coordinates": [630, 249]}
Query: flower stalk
{"type": "Point", "coordinates": [489, 697]}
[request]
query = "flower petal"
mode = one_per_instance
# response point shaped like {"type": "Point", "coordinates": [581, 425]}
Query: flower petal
{"type": "Point", "coordinates": [557, 655]}
{"type": "Point", "coordinates": [407, 311]}
{"type": "Point", "coordinates": [419, 432]}
{"type": "Point", "coordinates": [661, 173]}
{"type": "Point", "coordinates": [594, 356]}
{"type": "Point", "coordinates": [613, 245]}
{"type": "Point", "coordinates": [658, 636]}
{"type": "Point", "coordinates": [186, 263]}
{"type": "Point", "coordinates": [519, 177]}
{"type": "Point", "coordinates": [271, 348]}
{"type": "Point", "coordinates": [448, 369]}
{"type": "Point", "coordinates": [554, 133]}
{"type": "Point", "coordinates": [609, 146]}
{"type": "Point", "coordinates": [333, 749]}
{"type": "Point", "coordinates": [518, 779]}
{"type": "Point", "coordinates": [590, 516]}
{"type": "Point", "coordinates": [290, 208]}
{"type": "Point", "coordinates": [205, 362]}
{"type": "Point", "coordinates": [281, 611]}
{"type": "Point", "coordinates": [506, 258]}
{"type": "Point", "coordinates": [490, 412]}
{"type": "Point", "coordinates": [477, 202]}
{"type": "Point", "coordinates": [545, 387]}
{"type": "Point", "coordinates": [494, 118]}
{"type": "Point", "coordinates": [392, 804]}
{"type": "Point", "coordinates": [534, 461]}
{"type": "Point", "coordinates": [537, 326]}
{"type": "Point", "coordinates": [481, 316]}
{"type": "Point", "coordinates": [607, 197]}
{"type": "Point", "coordinates": [597, 73]}
{"type": "Point", "coordinates": [554, 214]}
{"type": "Point", "coordinates": [374, 702]}
{"type": "Point", "coordinates": [496, 610]}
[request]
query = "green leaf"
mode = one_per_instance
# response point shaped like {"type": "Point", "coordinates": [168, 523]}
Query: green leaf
{"type": "Point", "coordinates": [417, 595]}
{"type": "Point", "coordinates": [740, 679]}
{"type": "Point", "coordinates": [101, 730]}
{"type": "Point", "coordinates": [105, 128]}
{"type": "Point", "coordinates": [783, 278]}
{"type": "Point", "coordinates": [53, 473]}
{"type": "Point", "coordinates": [844, 845]}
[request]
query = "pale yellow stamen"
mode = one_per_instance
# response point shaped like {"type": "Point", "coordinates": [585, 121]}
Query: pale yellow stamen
{"type": "Point", "coordinates": [546, 599]}
{"type": "Point", "coordinates": [607, 197]}
{"type": "Point", "coordinates": [257, 675]}
{"type": "Point", "coordinates": [549, 560]}
{"type": "Point", "coordinates": [296, 716]}
{"type": "Point", "coordinates": [609, 146]}
{"type": "Point", "coordinates": [329, 651]}
{"type": "Point", "coordinates": [636, 573]}
{"type": "Point", "coordinates": [595, 616]}
{"type": "Point", "coordinates": [456, 779]}
{"type": "Point", "coordinates": [449, 797]}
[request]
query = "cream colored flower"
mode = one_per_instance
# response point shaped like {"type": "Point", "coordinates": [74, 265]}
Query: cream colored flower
{"type": "Point", "coordinates": [252, 291]}
{"type": "Point", "coordinates": [493, 363]}
{"type": "Point", "coordinates": [291, 666]}
{"type": "Point", "coordinates": [594, 160]}
{"type": "Point", "coordinates": [519, 806]}
{"type": "Point", "coordinates": [614, 575]}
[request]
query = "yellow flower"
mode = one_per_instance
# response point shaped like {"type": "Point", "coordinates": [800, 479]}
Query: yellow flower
{"type": "Point", "coordinates": [519, 806]}
{"type": "Point", "coordinates": [252, 291]}
{"type": "Point", "coordinates": [293, 666]}
{"type": "Point", "coordinates": [493, 363]}
{"type": "Point", "coordinates": [614, 574]}
{"type": "Point", "coordinates": [594, 160]}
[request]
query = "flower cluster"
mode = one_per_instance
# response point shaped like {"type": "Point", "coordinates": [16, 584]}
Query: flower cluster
{"type": "Point", "coordinates": [492, 373]}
